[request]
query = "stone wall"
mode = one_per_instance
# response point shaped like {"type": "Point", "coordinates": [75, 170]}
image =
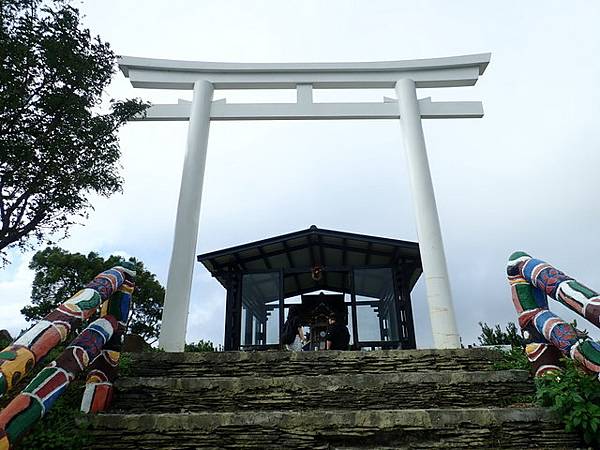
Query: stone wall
{"type": "Point", "coordinates": [375, 400]}
{"type": "Point", "coordinates": [473, 428]}
{"type": "Point", "coordinates": [373, 391]}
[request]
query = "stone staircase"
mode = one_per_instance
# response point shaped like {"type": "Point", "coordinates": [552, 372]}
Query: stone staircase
{"type": "Point", "coordinates": [383, 399]}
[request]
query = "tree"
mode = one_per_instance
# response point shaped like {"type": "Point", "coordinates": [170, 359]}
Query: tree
{"type": "Point", "coordinates": [56, 146]}
{"type": "Point", "coordinates": [60, 274]}
{"type": "Point", "coordinates": [496, 336]}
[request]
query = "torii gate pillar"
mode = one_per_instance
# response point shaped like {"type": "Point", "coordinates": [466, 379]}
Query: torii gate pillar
{"type": "Point", "coordinates": [181, 268]}
{"type": "Point", "coordinates": [439, 297]}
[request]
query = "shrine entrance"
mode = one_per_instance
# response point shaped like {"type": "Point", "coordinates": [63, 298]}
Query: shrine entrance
{"type": "Point", "coordinates": [315, 311]}
{"type": "Point", "coordinates": [364, 280]}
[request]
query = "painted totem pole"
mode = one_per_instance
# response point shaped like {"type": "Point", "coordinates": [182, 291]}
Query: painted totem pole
{"type": "Point", "coordinates": [547, 336]}
{"type": "Point", "coordinates": [97, 348]}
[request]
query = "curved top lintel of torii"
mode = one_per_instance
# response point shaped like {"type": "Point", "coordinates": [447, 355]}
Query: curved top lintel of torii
{"type": "Point", "coordinates": [433, 72]}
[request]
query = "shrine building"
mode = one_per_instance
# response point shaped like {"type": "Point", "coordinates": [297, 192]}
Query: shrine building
{"type": "Point", "coordinates": [364, 280]}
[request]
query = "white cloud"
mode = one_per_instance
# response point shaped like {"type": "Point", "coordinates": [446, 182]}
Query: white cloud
{"type": "Point", "coordinates": [15, 291]}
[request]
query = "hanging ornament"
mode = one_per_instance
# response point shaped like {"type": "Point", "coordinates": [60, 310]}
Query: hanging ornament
{"type": "Point", "coordinates": [317, 273]}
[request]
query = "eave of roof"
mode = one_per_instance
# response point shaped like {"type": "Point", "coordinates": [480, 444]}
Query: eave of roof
{"type": "Point", "coordinates": [314, 246]}
{"type": "Point", "coordinates": [313, 230]}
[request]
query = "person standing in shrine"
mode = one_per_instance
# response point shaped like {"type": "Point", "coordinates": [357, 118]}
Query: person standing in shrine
{"type": "Point", "coordinates": [338, 336]}
{"type": "Point", "coordinates": [293, 332]}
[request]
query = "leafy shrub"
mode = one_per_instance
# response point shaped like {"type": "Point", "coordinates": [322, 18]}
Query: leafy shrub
{"type": "Point", "coordinates": [573, 393]}
{"type": "Point", "coordinates": [575, 396]}
{"type": "Point", "coordinates": [515, 358]}
{"type": "Point", "coordinates": [125, 365]}
{"type": "Point", "coordinates": [200, 346]}
{"type": "Point", "coordinates": [497, 336]}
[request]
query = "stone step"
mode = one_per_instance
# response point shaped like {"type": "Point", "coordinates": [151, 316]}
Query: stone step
{"type": "Point", "coordinates": [326, 429]}
{"type": "Point", "coordinates": [275, 363]}
{"type": "Point", "coordinates": [349, 391]}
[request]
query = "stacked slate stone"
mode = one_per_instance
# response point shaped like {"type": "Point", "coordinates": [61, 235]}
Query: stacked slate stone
{"type": "Point", "coordinates": [327, 399]}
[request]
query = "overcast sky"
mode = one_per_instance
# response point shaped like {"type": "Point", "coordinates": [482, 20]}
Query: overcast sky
{"type": "Point", "coordinates": [524, 177]}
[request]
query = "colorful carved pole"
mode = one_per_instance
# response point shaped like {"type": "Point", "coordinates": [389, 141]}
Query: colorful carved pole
{"type": "Point", "coordinates": [547, 335]}
{"type": "Point", "coordinates": [28, 350]}
{"type": "Point", "coordinates": [103, 369]}
{"type": "Point", "coordinates": [98, 344]}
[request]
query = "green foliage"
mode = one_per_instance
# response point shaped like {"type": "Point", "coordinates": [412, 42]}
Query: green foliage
{"type": "Point", "coordinates": [56, 144]}
{"type": "Point", "coordinates": [154, 350]}
{"type": "Point", "coordinates": [497, 336]}
{"type": "Point", "coordinates": [125, 362]}
{"type": "Point", "coordinates": [200, 346]}
{"type": "Point", "coordinates": [59, 274]}
{"type": "Point", "coordinates": [572, 393]}
{"type": "Point", "coordinates": [575, 396]}
{"type": "Point", "coordinates": [515, 358]}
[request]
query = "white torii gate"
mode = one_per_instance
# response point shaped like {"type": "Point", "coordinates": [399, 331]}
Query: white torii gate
{"type": "Point", "coordinates": [405, 76]}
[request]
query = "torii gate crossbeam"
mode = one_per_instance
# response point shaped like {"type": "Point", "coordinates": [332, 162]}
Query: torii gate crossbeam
{"type": "Point", "coordinates": [404, 76]}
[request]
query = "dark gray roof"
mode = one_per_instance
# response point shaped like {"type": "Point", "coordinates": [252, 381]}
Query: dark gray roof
{"type": "Point", "coordinates": [307, 248]}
